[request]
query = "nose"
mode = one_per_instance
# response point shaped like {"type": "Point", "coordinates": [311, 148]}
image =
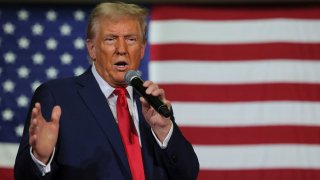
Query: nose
{"type": "Point", "coordinates": [121, 47]}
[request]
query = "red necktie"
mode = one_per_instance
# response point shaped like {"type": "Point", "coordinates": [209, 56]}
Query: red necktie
{"type": "Point", "coordinates": [129, 136]}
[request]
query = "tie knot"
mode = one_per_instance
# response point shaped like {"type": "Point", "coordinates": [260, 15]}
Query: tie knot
{"type": "Point", "coordinates": [120, 91]}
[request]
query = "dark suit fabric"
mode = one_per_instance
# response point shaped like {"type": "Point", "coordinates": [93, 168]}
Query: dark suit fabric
{"type": "Point", "coordinates": [89, 144]}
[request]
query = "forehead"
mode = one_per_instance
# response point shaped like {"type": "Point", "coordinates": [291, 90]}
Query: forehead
{"type": "Point", "coordinates": [118, 25]}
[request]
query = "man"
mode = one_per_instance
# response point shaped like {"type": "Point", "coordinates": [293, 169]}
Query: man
{"type": "Point", "coordinates": [74, 129]}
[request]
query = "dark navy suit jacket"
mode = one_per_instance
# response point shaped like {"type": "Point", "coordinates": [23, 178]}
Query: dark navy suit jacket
{"type": "Point", "coordinates": [89, 144]}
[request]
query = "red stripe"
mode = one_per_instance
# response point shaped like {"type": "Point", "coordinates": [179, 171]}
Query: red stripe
{"type": "Point", "coordinates": [242, 92]}
{"type": "Point", "coordinates": [6, 173]}
{"type": "Point", "coordinates": [235, 52]}
{"type": "Point", "coordinates": [252, 135]}
{"type": "Point", "coordinates": [272, 174]}
{"type": "Point", "coordinates": [234, 13]}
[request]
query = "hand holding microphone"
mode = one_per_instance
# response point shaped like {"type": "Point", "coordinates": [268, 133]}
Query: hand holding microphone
{"type": "Point", "coordinates": [133, 78]}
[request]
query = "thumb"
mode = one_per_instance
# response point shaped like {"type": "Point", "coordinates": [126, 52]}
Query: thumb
{"type": "Point", "coordinates": [55, 115]}
{"type": "Point", "coordinates": [144, 103]}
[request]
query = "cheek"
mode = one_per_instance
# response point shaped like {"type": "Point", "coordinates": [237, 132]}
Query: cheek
{"type": "Point", "coordinates": [107, 51]}
{"type": "Point", "coordinates": [143, 47]}
{"type": "Point", "coordinates": [136, 64]}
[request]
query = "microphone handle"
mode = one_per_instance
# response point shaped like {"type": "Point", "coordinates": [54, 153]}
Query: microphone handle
{"type": "Point", "coordinates": [154, 101]}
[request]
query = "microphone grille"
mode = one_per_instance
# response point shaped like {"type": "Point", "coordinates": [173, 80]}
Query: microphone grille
{"type": "Point", "coordinates": [131, 74]}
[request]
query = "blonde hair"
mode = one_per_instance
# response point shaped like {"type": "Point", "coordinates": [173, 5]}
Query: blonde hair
{"type": "Point", "coordinates": [114, 11]}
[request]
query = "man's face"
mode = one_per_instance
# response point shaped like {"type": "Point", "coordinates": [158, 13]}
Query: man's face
{"type": "Point", "coordinates": [117, 47]}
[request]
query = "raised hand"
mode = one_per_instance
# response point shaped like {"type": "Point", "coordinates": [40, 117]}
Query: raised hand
{"type": "Point", "coordinates": [159, 124]}
{"type": "Point", "coordinates": [43, 134]}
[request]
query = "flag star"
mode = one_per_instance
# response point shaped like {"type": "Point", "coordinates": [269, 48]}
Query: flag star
{"type": "Point", "coordinates": [51, 15]}
{"type": "Point", "coordinates": [78, 43]}
{"type": "Point", "coordinates": [0, 71]}
{"type": "Point", "coordinates": [79, 15]}
{"type": "Point", "coordinates": [8, 28]}
{"type": "Point", "coordinates": [9, 57]}
{"type": "Point", "coordinates": [35, 85]}
{"type": "Point", "coordinates": [78, 70]}
{"type": "Point", "coordinates": [7, 114]}
{"type": "Point", "coordinates": [19, 130]}
{"type": "Point", "coordinates": [23, 72]}
{"type": "Point", "coordinates": [23, 14]}
{"type": "Point", "coordinates": [65, 29]}
{"type": "Point", "coordinates": [38, 58]}
{"type": "Point", "coordinates": [23, 43]}
{"type": "Point", "coordinates": [22, 101]}
{"type": "Point", "coordinates": [52, 73]}
{"type": "Point", "coordinates": [8, 86]}
{"type": "Point", "coordinates": [37, 29]}
{"type": "Point", "coordinates": [51, 44]}
{"type": "Point", "coordinates": [66, 58]}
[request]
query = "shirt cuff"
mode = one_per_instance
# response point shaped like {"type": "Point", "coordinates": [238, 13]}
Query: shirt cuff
{"type": "Point", "coordinates": [164, 144]}
{"type": "Point", "coordinates": [44, 169]}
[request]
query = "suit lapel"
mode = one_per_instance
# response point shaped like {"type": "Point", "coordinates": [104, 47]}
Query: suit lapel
{"type": "Point", "coordinates": [96, 102]}
{"type": "Point", "coordinates": [147, 146]}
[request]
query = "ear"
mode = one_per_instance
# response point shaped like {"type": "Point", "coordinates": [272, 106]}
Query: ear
{"type": "Point", "coordinates": [91, 49]}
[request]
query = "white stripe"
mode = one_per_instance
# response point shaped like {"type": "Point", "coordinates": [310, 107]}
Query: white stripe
{"type": "Point", "coordinates": [208, 72]}
{"type": "Point", "coordinates": [259, 156]}
{"type": "Point", "coordinates": [237, 31]}
{"type": "Point", "coordinates": [230, 156]}
{"type": "Point", "coordinates": [8, 152]}
{"type": "Point", "coordinates": [247, 113]}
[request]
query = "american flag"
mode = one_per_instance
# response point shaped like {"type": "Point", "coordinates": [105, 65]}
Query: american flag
{"type": "Point", "coordinates": [36, 44]}
{"type": "Point", "coordinates": [245, 87]}
{"type": "Point", "coordinates": [244, 81]}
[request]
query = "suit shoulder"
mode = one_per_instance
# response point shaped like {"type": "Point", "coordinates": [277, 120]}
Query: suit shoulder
{"type": "Point", "coordinates": [66, 82]}
{"type": "Point", "coordinates": [60, 83]}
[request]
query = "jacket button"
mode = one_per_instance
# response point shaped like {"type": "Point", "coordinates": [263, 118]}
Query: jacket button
{"type": "Point", "coordinates": [174, 158]}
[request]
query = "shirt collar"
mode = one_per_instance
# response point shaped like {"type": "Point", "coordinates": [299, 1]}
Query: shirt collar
{"type": "Point", "coordinates": [105, 87]}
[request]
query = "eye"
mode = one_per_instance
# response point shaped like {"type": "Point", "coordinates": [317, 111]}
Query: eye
{"type": "Point", "coordinates": [131, 39]}
{"type": "Point", "coordinates": [110, 39]}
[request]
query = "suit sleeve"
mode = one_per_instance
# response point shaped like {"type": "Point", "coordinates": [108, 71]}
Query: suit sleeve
{"type": "Point", "coordinates": [24, 167]}
{"type": "Point", "coordinates": [179, 157]}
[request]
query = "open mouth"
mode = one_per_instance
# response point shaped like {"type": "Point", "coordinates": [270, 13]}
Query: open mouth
{"type": "Point", "coordinates": [121, 65]}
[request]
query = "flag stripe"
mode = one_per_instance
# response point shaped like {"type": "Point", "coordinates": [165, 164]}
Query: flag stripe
{"type": "Point", "coordinates": [233, 52]}
{"type": "Point", "coordinates": [242, 92]}
{"type": "Point", "coordinates": [220, 13]}
{"type": "Point", "coordinates": [6, 173]}
{"type": "Point", "coordinates": [273, 156]}
{"type": "Point", "coordinates": [252, 135]}
{"type": "Point", "coordinates": [228, 157]}
{"type": "Point", "coordinates": [247, 113]}
{"type": "Point", "coordinates": [8, 152]}
{"type": "Point", "coordinates": [261, 174]}
{"type": "Point", "coordinates": [241, 31]}
{"type": "Point", "coordinates": [204, 72]}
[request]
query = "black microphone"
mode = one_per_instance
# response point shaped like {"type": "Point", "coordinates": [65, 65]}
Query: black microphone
{"type": "Point", "coordinates": [133, 78]}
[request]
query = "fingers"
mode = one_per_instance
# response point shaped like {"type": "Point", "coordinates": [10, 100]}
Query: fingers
{"type": "Point", "coordinates": [36, 114]}
{"type": "Point", "coordinates": [38, 123]}
{"type": "Point", "coordinates": [36, 111]}
{"type": "Point", "coordinates": [35, 118]}
{"type": "Point", "coordinates": [56, 114]}
{"type": "Point", "coordinates": [144, 102]}
{"type": "Point", "coordinates": [32, 132]}
{"type": "Point", "coordinates": [153, 89]}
